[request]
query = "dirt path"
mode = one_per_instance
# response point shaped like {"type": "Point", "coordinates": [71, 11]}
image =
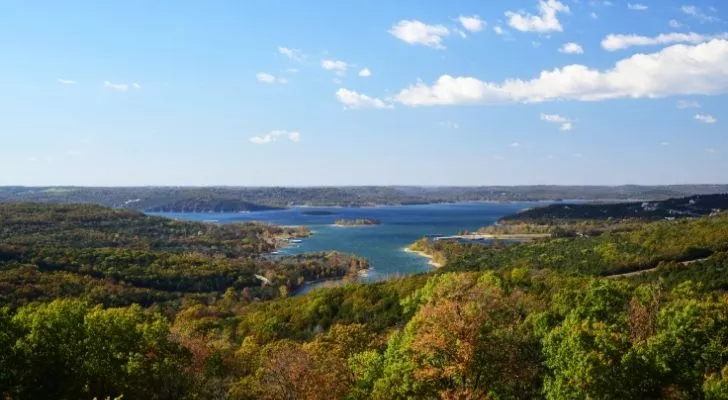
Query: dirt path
{"type": "Point", "coordinates": [646, 271]}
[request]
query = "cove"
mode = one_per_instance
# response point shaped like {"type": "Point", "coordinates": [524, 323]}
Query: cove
{"type": "Point", "coordinates": [382, 244]}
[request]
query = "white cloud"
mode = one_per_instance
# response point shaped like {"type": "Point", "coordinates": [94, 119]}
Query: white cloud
{"type": "Point", "coordinates": [337, 66]}
{"type": "Point", "coordinates": [293, 54]}
{"type": "Point", "coordinates": [594, 15]}
{"type": "Point", "coordinates": [268, 78]}
{"type": "Point", "coordinates": [637, 7]}
{"type": "Point", "coordinates": [673, 23]}
{"type": "Point", "coordinates": [665, 144]}
{"type": "Point", "coordinates": [66, 81]}
{"type": "Point", "coordinates": [619, 42]}
{"type": "Point", "coordinates": [499, 31]}
{"type": "Point", "coordinates": [294, 136]}
{"type": "Point", "coordinates": [566, 124]}
{"type": "Point", "coordinates": [571, 48]}
{"type": "Point", "coordinates": [515, 144]}
{"type": "Point", "coordinates": [472, 23]}
{"type": "Point", "coordinates": [352, 99]}
{"type": "Point", "coordinates": [554, 118]}
{"type": "Point", "coordinates": [365, 72]}
{"type": "Point", "coordinates": [706, 118]}
{"type": "Point", "coordinates": [683, 104]}
{"type": "Point", "coordinates": [275, 135]}
{"type": "Point", "coordinates": [546, 21]}
{"type": "Point", "coordinates": [416, 32]}
{"type": "Point", "coordinates": [676, 70]}
{"type": "Point", "coordinates": [136, 85]}
{"type": "Point", "coordinates": [119, 87]}
{"type": "Point", "coordinates": [697, 13]}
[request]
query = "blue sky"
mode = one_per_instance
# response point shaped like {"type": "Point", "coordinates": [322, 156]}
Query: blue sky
{"type": "Point", "coordinates": [379, 92]}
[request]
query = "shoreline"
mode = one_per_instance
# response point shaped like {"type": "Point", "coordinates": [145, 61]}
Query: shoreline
{"type": "Point", "coordinates": [423, 254]}
{"type": "Point", "coordinates": [354, 226]}
{"type": "Point", "coordinates": [496, 236]}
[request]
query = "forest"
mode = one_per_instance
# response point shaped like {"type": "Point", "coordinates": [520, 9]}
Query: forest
{"type": "Point", "coordinates": [560, 214]}
{"type": "Point", "coordinates": [554, 318]}
{"type": "Point", "coordinates": [122, 257]}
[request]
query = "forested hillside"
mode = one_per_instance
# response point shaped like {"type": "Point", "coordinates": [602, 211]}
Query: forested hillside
{"type": "Point", "coordinates": [516, 321]}
{"type": "Point", "coordinates": [642, 246]}
{"type": "Point", "coordinates": [692, 206]}
{"type": "Point", "coordinates": [120, 257]}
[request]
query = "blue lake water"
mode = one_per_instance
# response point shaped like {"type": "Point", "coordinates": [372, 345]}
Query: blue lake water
{"type": "Point", "coordinates": [382, 244]}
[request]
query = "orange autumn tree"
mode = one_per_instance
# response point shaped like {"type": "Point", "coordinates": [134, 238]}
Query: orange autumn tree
{"type": "Point", "coordinates": [467, 340]}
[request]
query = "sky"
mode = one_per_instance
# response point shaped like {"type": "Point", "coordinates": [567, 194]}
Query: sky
{"type": "Point", "coordinates": [375, 92]}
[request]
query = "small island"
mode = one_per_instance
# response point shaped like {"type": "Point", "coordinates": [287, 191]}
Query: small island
{"type": "Point", "coordinates": [357, 222]}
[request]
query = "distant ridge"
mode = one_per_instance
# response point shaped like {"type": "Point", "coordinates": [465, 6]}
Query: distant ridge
{"type": "Point", "coordinates": [233, 199]}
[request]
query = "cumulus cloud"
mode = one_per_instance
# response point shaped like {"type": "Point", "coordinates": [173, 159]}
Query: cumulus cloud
{"type": "Point", "coordinates": [673, 23]}
{"type": "Point", "coordinates": [697, 13]}
{"type": "Point", "coordinates": [499, 31]}
{"type": "Point", "coordinates": [620, 42]}
{"type": "Point", "coordinates": [337, 66]}
{"type": "Point", "coordinates": [416, 32]}
{"type": "Point", "coordinates": [365, 72]}
{"type": "Point", "coordinates": [706, 118]}
{"type": "Point", "coordinates": [352, 99]}
{"type": "Point", "coordinates": [676, 70]}
{"type": "Point", "coordinates": [119, 87]}
{"type": "Point", "coordinates": [293, 54]}
{"type": "Point", "coordinates": [566, 124]}
{"type": "Point", "coordinates": [273, 136]}
{"type": "Point", "coordinates": [268, 78]}
{"type": "Point", "coordinates": [546, 21]}
{"type": "Point", "coordinates": [637, 7]}
{"type": "Point", "coordinates": [66, 81]}
{"type": "Point", "coordinates": [472, 23]}
{"type": "Point", "coordinates": [294, 136]}
{"type": "Point", "coordinates": [571, 48]}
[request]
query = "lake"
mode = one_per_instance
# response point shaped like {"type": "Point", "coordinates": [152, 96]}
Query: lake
{"type": "Point", "coordinates": [382, 244]}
